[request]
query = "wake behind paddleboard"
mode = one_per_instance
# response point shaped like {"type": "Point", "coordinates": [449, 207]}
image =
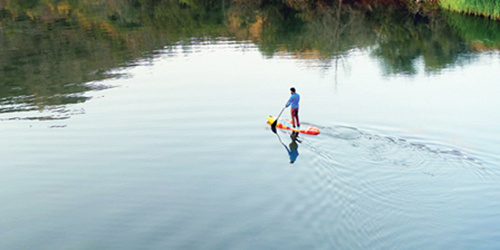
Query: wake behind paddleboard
{"type": "Point", "coordinates": [287, 124]}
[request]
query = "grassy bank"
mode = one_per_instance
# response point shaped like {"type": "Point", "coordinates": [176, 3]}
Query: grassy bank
{"type": "Point", "coordinates": [487, 8]}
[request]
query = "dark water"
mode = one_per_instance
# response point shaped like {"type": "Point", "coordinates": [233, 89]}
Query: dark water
{"type": "Point", "coordinates": [137, 126]}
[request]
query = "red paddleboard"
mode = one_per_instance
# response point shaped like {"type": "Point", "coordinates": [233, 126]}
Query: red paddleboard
{"type": "Point", "coordinates": [287, 124]}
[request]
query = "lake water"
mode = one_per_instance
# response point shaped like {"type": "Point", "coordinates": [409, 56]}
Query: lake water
{"type": "Point", "coordinates": [172, 151]}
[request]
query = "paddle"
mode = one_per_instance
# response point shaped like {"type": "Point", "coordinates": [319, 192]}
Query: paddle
{"type": "Point", "coordinates": [273, 126]}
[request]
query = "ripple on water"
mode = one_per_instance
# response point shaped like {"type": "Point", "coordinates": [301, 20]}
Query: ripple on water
{"type": "Point", "coordinates": [373, 191]}
{"type": "Point", "coordinates": [337, 141]}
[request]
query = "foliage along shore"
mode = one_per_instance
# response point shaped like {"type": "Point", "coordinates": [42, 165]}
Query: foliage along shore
{"type": "Point", "coordinates": [489, 9]}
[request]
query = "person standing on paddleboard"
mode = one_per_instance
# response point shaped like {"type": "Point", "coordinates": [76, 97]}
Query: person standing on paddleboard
{"type": "Point", "coordinates": [294, 102]}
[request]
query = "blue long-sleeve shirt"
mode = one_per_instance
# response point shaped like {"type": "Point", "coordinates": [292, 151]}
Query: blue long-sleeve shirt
{"type": "Point", "coordinates": [294, 101]}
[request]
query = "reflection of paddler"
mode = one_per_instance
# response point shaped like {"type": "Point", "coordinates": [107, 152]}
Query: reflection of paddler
{"type": "Point", "coordinates": [293, 151]}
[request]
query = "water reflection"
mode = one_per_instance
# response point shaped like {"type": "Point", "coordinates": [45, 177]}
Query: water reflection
{"type": "Point", "coordinates": [49, 52]}
{"type": "Point", "coordinates": [293, 151]}
{"type": "Point", "coordinates": [293, 148]}
{"type": "Point", "coordinates": [482, 34]}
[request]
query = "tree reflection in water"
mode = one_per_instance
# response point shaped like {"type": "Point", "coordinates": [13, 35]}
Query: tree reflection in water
{"type": "Point", "coordinates": [53, 52]}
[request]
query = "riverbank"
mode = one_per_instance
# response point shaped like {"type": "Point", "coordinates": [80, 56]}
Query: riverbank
{"type": "Point", "coordinates": [489, 9]}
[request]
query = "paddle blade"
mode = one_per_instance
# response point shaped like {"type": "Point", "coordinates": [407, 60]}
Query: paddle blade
{"type": "Point", "coordinates": [273, 126]}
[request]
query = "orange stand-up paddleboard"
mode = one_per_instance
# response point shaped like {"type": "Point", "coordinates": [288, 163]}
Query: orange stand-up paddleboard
{"type": "Point", "coordinates": [287, 124]}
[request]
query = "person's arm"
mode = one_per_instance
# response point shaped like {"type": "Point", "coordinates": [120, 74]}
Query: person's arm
{"type": "Point", "coordinates": [289, 102]}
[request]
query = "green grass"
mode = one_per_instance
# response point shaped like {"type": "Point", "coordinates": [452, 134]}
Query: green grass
{"type": "Point", "coordinates": [487, 8]}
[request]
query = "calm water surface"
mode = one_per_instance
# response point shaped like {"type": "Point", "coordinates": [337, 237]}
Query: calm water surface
{"type": "Point", "coordinates": [175, 153]}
